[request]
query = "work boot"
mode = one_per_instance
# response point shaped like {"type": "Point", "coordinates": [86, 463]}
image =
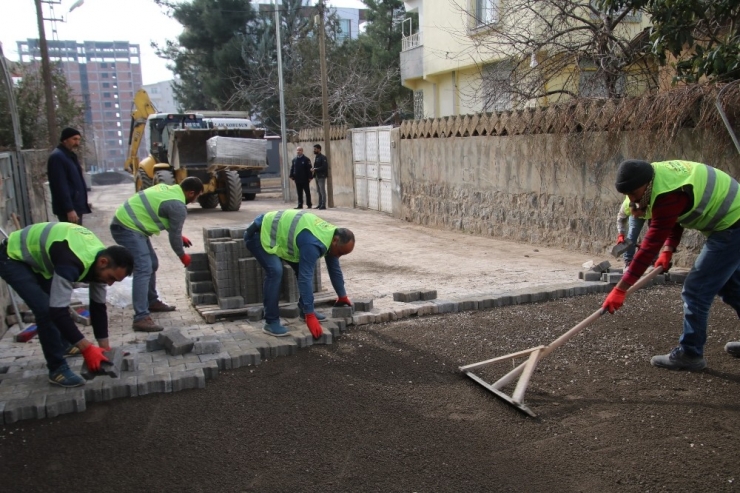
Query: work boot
{"type": "Point", "coordinates": [161, 306]}
{"type": "Point", "coordinates": [300, 206]}
{"type": "Point", "coordinates": [146, 324]}
{"type": "Point", "coordinates": [733, 348]}
{"type": "Point", "coordinates": [679, 360]}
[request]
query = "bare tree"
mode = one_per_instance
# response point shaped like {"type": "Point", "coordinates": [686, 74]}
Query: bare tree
{"type": "Point", "coordinates": [548, 50]}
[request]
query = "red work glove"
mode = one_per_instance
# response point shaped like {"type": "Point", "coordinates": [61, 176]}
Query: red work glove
{"type": "Point", "coordinates": [185, 242]}
{"type": "Point", "coordinates": [93, 357]}
{"type": "Point", "coordinates": [615, 300]}
{"type": "Point", "coordinates": [185, 259]}
{"type": "Point", "coordinates": [664, 260]}
{"type": "Point", "coordinates": [343, 301]}
{"type": "Point", "coordinates": [620, 238]}
{"type": "Point", "coordinates": [313, 325]}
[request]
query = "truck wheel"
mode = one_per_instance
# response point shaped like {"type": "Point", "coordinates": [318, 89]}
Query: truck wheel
{"type": "Point", "coordinates": [230, 196]}
{"type": "Point", "coordinates": [249, 196]}
{"type": "Point", "coordinates": [142, 181]}
{"type": "Point", "coordinates": [208, 201]}
{"type": "Point", "coordinates": [165, 177]}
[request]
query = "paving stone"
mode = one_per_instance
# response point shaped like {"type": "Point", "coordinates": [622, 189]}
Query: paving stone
{"type": "Point", "coordinates": [405, 312]}
{"type": "Point", "coordinates": [285, 346]}
{"type": "Point", "coordinates": [190, 379]}
{"type": "Point", "coordinates": [31, 407]}
{"type": "Point", "coordinates": [174, 342]}
{"type": "Point", "coordinates": [590, 276]}
{"type": "Point", "coordinates": [200, 275]}
{"type": "Point", "coordinates": [679, 277]}
{"type": "Point", "coordinates": [342, 312]}
{"type": "Point", "coordinates": [427, 308]}
{"type": "Point", "coordinates": [209, 345]}
{"type": "Point", "coordinates": [601, 267]}
{"type": "Point", "coordinates": [210, 368]}
{"type": "Point", "coordinates": [130, 362]}
{"type": "Point", "coordinates": [340, 322]}
{"type": "Point", "coordinates": [201, 287]}
{"type": "Point", "coordinates": [406, 296]}
{"type": "Point", "coordinates": [152, 384]}
{"type": "Point", "coordinates": [485, 303]}
{"type": "Point", "coordinates": [205, 299]}
{"type": "Point", "coordinates": [245, 357]}
{"type": "Point", "coordinates": [467, 305]}
{"type": "Point", "coordinates": [127, 385]}
{"type": "Point", "coordinates": [363, 318]}
{"type": "Point", "coordinates": [659, 279]}
{"type": "Point", "coordinates": [363, 305]}
{"type": "Point", "coordinates": [616, 271]}
{"type": "Point", "coordinates": [331, 327]}
{"type": "Point", "coordinates": [428, 294]}
{"type": "Point", "coordinates": [100, 389]}
{"type": "Point", "coordinates": [231, 302]}
{"type": "Point", "coordinates": [302, 338]}
{"type": "Point", "coordinates": [289, 311]}
{"type": "Point", "coordinates": [72, 401]}
{"type": "Point", "coordinates": [112, 368]}
{"type": "Point", "coordinates": [611, 278]}
{"type": "Point", "coordinates": [153, 343]}
{"type": "Point", "coordinates": [255, 313]}
{"type": "Point", "coordinates": [446, 306]}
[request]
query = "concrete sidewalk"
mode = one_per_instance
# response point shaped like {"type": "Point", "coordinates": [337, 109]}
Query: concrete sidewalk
{"type": "Point", "coordinates": [390, 256]}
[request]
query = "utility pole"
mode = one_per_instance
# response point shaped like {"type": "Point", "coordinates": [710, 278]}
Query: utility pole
{"type": "Point", "coordinates": [51, 116]}
{"type": "Point", "coordinates": [285, 170]}
{"type": "Point", "coordinates": [325, 102]}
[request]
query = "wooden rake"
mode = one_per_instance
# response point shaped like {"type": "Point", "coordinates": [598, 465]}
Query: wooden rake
{"type": "Point", "coordinates": [525, 370]}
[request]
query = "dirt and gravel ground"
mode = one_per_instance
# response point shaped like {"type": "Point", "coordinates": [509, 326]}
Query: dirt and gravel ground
{"type": "Point", "coordinates": [386, 409]}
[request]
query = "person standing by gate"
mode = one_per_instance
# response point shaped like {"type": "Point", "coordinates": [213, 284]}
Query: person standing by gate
{"type": "Point", "coordinates": [300, 173]}
{"type": "Point", "coordinates": [320, 172]}
{"type": "Point", "coordinates": [66, 180]}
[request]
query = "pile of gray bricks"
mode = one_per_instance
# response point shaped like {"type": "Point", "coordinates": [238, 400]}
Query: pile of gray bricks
{"type": "Point", "coordinates": [228, 275]}
{"type": "Point", "coordinates": [605, 273]}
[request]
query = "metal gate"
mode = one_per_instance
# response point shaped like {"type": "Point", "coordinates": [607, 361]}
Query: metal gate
{"type": "Point", "coordinates": [14, 188]}
{"type": "Point", "coordinates": [371, 154]}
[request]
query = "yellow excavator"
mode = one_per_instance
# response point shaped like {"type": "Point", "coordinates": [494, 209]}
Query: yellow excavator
{"type": "Point", "coordinates": [180, 145]}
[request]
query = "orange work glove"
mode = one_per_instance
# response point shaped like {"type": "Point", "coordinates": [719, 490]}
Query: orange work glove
{"type": "Point", "coordinates": [185, 259]}
{"type": "Point", "coordinates": [343, 301]}
{"type": "Point", "coordinates": [185, 242]}
{"type": "Point", "coordinates": [93, 357]}
{"type": "Point", "coordinates": [620, 238]}
{"type": "Point", "coordinates": [664, 260]}
{"type": "Point", "coordinates": [615, 300]}
{"type": "Point", "coordinates": [313, 325]}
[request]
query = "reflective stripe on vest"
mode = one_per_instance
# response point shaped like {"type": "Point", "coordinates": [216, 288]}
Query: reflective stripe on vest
{"type": "Point", "coordinates": [280, 231]}
{"type": "Point", "coordinates": [291, 231]}
{"type": "Point", "coordinates": [274, 229]}
{"type": "Point", "coordinates": [28, 258]}
{"type": "Point", "coordinates": [149, 210]}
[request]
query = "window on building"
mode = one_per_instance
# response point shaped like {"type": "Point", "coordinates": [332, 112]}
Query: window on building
{"type": "Point", "coordinates": [104, 75]}
{"type": "Point", "coordinates": [496, 86]}
{"type": "Point", "coordinates": [486, 12]}
{"type": "Point", "coordinates": [103, 65]}
{"type": "Point", "coordinates": [418, 105]}
{"type": "Point", "coordinates": [106, 94]}
{"type": "Point", "coordinates": [106, 85]}
{"type": "Point", "coordinates": [108, 104]}
{"type": "Point", "coordinates": [345, 30]}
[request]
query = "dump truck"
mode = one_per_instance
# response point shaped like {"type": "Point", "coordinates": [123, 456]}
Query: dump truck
{"type": "Point", "coordinates": [178, 145]}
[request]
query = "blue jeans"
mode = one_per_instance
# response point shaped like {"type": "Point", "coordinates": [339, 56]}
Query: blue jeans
{"type": "Point", "coordinates": [34, 290]}
{"type": "Point", "coordinates": [146, 264]}
{"type": "Point", "coordinates": [715, 272]}
{"type": "Point", "coordinates": [633, 233]}
{"type": "Point", "coordinates": [273, 269]}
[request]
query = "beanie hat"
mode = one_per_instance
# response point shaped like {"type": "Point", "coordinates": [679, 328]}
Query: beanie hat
{"type": "Point", "coordinates": [632, 174]}
{"type": "Point", "coordinates": [67, 133]}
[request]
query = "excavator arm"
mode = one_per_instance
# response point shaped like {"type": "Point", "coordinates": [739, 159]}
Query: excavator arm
{"type": "Point", "coordinates": [142, 108]}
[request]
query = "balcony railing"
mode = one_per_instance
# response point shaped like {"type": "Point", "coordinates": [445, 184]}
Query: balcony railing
{"type": "Point", "coordinates": [410, 42]}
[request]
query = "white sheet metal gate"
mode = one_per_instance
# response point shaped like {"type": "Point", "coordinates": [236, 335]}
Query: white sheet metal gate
{"type": "Point", "coordinates": [371, 154]}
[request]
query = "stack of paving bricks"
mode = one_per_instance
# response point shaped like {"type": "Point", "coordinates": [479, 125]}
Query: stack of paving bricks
{"type": "Point", "coordinates": [604, 272]}
{"type": "Point", "coordinates": [228, 275]}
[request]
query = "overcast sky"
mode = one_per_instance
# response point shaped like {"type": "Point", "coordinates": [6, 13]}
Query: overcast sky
{"type": "Point", "coordinates": [137, 21]}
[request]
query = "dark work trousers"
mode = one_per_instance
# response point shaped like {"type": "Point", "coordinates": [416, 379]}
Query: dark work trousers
{"type": "Point", "coordinates": [300, 187]}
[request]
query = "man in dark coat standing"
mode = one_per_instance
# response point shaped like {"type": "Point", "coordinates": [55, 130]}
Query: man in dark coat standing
{"type": "Point", "coordinates": [66, 181]}
{"type": "Point", "coordinates": [301, 174]}
{"type": "Point", "coordinates": [320, 172]}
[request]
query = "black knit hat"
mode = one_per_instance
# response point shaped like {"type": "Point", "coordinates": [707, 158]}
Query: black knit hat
{"type": "Point", "coordinates": [68, 132]}
{"type": "Point", "coordinates": [632, 174]}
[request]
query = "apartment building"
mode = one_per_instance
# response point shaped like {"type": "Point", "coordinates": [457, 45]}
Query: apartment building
{"type": "Point", "coordinates": [105, 75]}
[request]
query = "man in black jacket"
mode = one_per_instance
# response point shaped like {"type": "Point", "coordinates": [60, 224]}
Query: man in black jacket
{"type": "Point", "coordinates": [320, 172]}
{"type": "Point", "coordinates": [300, 173]}
{"type": "Point", "coordinates": [66, 181]}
